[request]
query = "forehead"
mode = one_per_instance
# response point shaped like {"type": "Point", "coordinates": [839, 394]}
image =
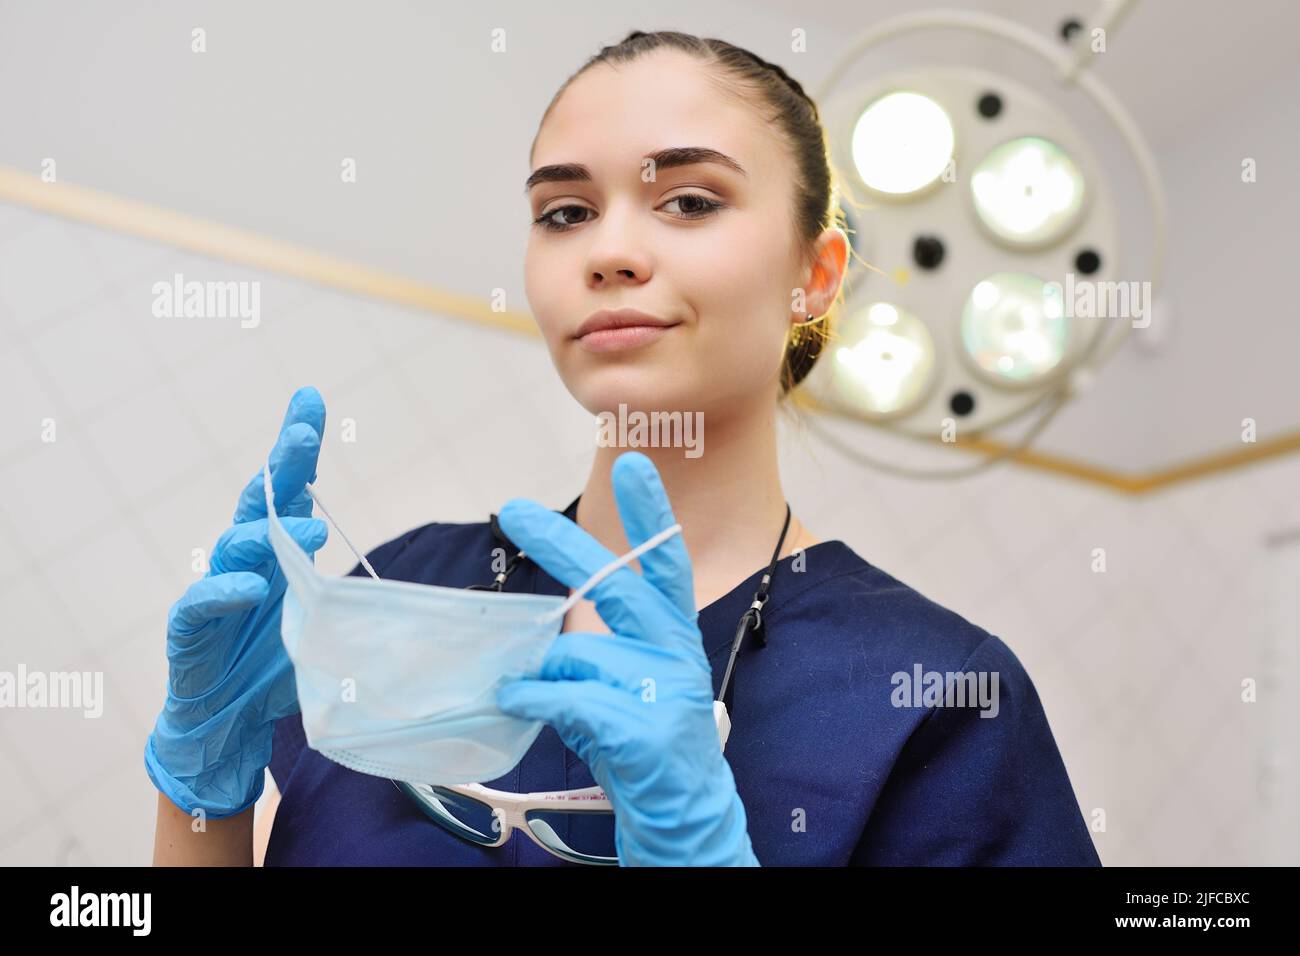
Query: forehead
{"type": "Point", "coordinates": [613, 115]}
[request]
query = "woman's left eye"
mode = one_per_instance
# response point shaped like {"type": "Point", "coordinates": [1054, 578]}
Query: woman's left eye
{"type": "Point", "coordinates": [702, 206]}
{"type": "Point", "coordinates": [705, 205]}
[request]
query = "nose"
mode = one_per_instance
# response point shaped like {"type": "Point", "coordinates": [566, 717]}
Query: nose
{"type": "Point", "coordinates": [618, 254]}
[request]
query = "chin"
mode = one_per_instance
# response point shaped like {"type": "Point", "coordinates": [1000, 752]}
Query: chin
{"type": "Point", "coordinates": [637, 396]}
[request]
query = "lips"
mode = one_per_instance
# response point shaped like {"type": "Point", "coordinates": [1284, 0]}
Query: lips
{"type": "Point", "coordinates": [624, 339]}
{"type": "Point", "coordinates": [607, 319]}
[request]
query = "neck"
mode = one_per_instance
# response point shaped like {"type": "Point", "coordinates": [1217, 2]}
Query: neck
{"type": "Point", "coordinates": [729, 500]}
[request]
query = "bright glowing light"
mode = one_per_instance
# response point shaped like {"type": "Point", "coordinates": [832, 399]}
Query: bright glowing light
{"type": "Point", "coordinates": [882, 313]}
{"type": "Point", "coordinates": [901, 143]}
{"type": "Point", "coordinates": [985, 295]}
{"type": "Point", "coordinates": [1014, 326]}
{"type": "Point", "coordinates": [887, 362]}
{"type": "Point", "coordinates": [1027, 191]}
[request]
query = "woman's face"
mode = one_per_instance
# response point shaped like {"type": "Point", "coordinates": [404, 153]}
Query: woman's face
{"type": "Point", "coordinates": [636, 236]}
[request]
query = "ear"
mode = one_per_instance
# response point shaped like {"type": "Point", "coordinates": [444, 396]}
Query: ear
{"type": "Point", "coordinates": [827, 270]}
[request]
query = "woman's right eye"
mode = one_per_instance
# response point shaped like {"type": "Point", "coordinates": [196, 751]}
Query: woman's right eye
{"type": "Point", "coordinates": [546, 221]}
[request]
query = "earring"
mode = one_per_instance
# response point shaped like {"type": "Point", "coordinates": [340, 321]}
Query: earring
{"type": "Point", "coordinates": [811, 318]}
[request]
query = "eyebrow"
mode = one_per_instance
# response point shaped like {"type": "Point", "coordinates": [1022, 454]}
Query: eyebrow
{"type": "Point", "coordinates": [662, 159]}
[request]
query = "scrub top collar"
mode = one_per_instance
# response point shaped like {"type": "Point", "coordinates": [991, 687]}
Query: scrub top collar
{"type": "Point", "coordinates": [822, 561]}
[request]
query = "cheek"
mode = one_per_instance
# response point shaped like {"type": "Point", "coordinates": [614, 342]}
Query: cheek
{"type": "Point", "coordinates": [543, 293]}
{"type": "Point", "coordinates": [740, 287]}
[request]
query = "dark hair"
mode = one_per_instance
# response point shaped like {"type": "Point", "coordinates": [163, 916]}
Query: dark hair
{"type": "Point", "coordinates": [796, 119]}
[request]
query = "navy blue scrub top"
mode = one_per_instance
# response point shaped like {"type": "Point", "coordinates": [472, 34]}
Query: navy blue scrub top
{"type": "Point", "coordinates": [831, 773]}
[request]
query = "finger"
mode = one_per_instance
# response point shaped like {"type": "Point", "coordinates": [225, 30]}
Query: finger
{"type": "Point", "coordinates": [574, 708]}
{"type": "Point", "coordinates": [293, 464]}
{"type": "Point", "coordinates": [645, 510]}
{"type": "Point", "coordinates": [306, 405]}
{"type": "Point", "coordinates": [293, 460]}
{"type": "Point", "coordinates": [247, 547]}
{"type": "Point", "coordinates": [625, 602]}
{"type": "Point", "coordinates": [578, 656]}
{"type": "Point", "coordinates": [211, 598]}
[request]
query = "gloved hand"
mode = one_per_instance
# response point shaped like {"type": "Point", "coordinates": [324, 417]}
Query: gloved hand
{"type": "Point", "coordinates": [636, 705]}
{"type": "Point", "coordinates": [230, 678]}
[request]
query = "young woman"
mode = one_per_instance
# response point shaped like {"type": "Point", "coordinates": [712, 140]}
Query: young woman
{"type": "Point", "coordinates": [681, 185]}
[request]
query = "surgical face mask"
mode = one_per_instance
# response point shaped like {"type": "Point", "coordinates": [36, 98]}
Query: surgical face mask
{"type": "Point", "coordinates": [398, 679]}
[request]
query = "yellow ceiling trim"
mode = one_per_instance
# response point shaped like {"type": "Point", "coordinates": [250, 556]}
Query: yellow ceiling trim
{"type": "Point", "coordinates": [1132, 484]}
{"type": "Point", "coordinates": [246, 248]}
{"type": "Point", "coordinates": [219, 241]}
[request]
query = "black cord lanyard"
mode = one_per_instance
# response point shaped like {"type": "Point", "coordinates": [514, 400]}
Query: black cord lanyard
{"type": "Point", "coordinates": [750, 621]}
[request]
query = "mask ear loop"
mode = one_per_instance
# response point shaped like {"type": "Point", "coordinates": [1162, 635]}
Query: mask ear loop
{"type": "Point", "coordinates": [609, 569]}
{"type": "Point", "coordinates": [315, 496]}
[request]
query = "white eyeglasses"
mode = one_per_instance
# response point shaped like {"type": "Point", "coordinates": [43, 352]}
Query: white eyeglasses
{"type": "Point", "coordinates": [575, 825]}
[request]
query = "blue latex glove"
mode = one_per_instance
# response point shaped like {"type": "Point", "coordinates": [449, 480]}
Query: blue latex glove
{"type": "Point", "coordinates": [636, 705]}
{"type": "Point", "coordinates": [229, 677]}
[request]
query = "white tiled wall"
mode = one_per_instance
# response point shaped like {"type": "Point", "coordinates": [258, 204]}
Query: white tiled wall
{"type": "Point", "coordinates": [160, 422]}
